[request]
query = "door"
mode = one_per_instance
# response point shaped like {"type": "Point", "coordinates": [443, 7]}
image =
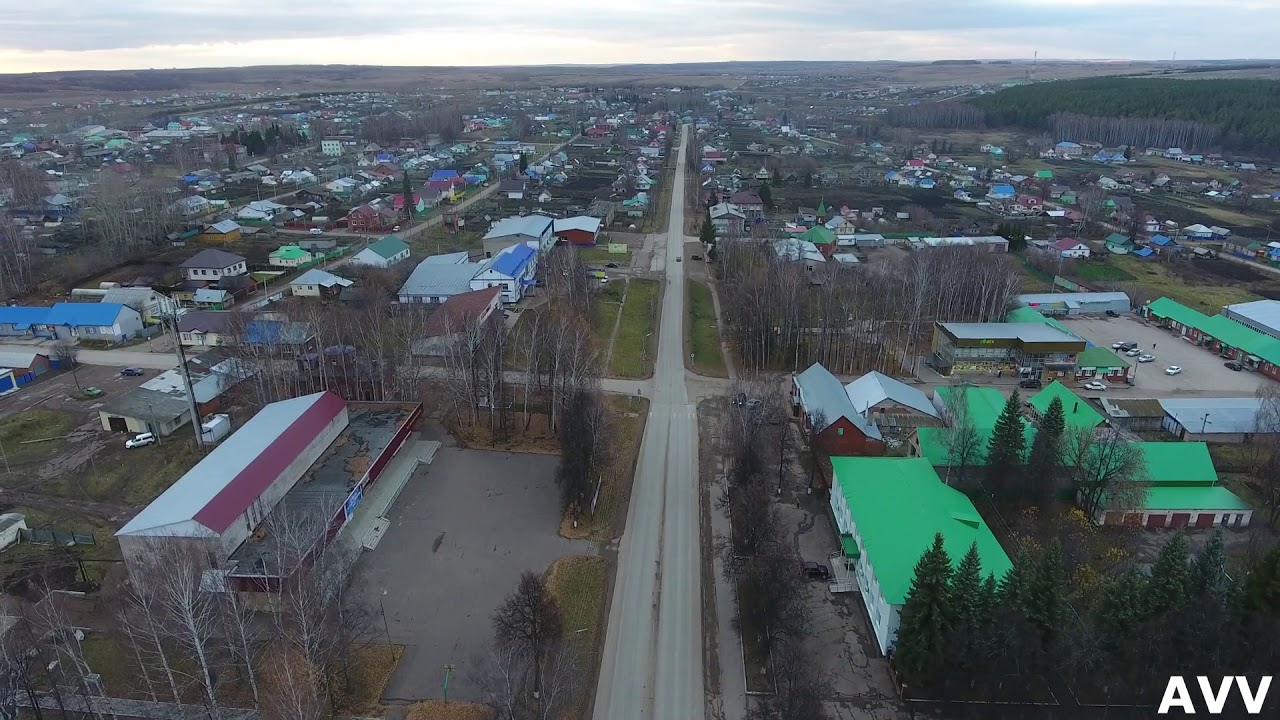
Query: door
{"type": "Point", "coordinates": [1156, 520]}
{"type": "Point", "coordinates": [6, 382]}
{"type": "Point", "coordinates": [1204, 520]}
{"type": "Point", "coordinates": [1179, 520]}
{"type": "Point", "coordinates": [118, 424]}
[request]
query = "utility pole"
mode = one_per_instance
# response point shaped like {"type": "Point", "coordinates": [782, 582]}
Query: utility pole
{"type": "Point", "coordinates": [171, 325]}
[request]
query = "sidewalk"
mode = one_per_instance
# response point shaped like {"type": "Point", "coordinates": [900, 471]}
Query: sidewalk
{"type": "Point", "coordinates": [120, 707]}
{"type": "Point", "coordinates": [733, 674]}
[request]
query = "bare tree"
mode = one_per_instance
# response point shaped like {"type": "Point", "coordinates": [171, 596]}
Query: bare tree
{"type": "Point", "coordinates": [1265, 450]}
{"type": "Point", "coordinates": [964, 445]}
{"type": "Point", "coordinates": [15, 666]}
{"type": "Point", "coordinates": [530, 617]}
{"type": "Point", "coordinates": [505, 674]}
{"type": "Point", "coordinates": [67, 353]}
{"type": "Point", "coordinates": [1107, 472]}
{"type": "Point", "coordinates": [243, 638]}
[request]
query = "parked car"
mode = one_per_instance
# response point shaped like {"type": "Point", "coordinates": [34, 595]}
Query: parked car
{"type": "Point", "coordinates": [817, 571]}
{"type": "Point", "coordinates": [1029, 383]}
{"type": "Point", "coordinates": [1118, 345]}
{"type": "Point", "coordinates": [316, 231]}
{"type": "Point", "coordinates": [695, 257]}
{"type": "Point", "coordinates": [1172, 370]}
{"type": "Point", "coordinates": [1146, 358]}
{"type": "Point", "coordinates": [140, 440]}
{"type": "Point", "coordinates": [1095, 385]}
{"type": "Point", "coordinates": [679, 259]}
{"type": "Point", "coordinates": [611, 265]}
{"type": "Point", "coordinates": [1135, 352]}
{"type": "Point", "coordinates": [1112, 313]}
{"type": "Point", "coordinates": [131, 372]}
{"type": "Point", "coordinates": [1233, 365]}
{"type": "Point", "coordinates": [739, 400]}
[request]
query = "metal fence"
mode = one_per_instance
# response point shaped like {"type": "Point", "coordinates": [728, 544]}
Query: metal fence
{"type": "Point", "coordinates": [47, 536]}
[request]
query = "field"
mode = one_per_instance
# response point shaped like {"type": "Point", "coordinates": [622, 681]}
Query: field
{"type": "Point", "coordinates": [703, 333]}
{"type": "Point", "coordinates": [633, 348]}
{"type": "Point", "coordinates": [600, 255]}
{"type": "Point", "coordinates": [608, 305]}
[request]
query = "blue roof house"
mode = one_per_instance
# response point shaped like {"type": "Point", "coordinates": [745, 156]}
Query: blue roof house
{"type": "Point", "coordinates": [107, 322]}
{"type": "Point", "coordinates": [18, 321]}
{"type": "Point", "coordinates": [512, 269]}
{"type": "Point", "coordinates": [442, 175]}
{"type": "Point", "coordinates": [1145, 253]}
{"type": "Point", "coordinates": [1002, 192]}
{"type": "Point", "coordinates": [928, 183]}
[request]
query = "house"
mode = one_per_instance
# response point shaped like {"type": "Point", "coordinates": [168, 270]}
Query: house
{"type": "Point", "coordinates": [162, 404]}
{"type": "Point", "coordinates": [289, 256]}
{"type": "Point", "coordinates": [212, 299]}
{"type": "Point", "coordinates": [888, 512]}
{"type": "Point", "coordinates": [749, 202]}
{"type": "Point", "coordinates": [318, 283]}
{"type": "Point", "coordinates": [1163, 242]}
{"type": "Point", "coordinates": [211, 264]}
{"type": "Point", "coordinates": [21, 367]}
{"type": "Point", "coordinates": [512, 189]}
{"type": "Point", "coordinates": [287, 335]}
{"type": "Point", "coordinates": [1118, 244]}
{"type": "Point", "coordinates": [891, 405]}
{"type": "Point", "coordinates": [512, 270]}
{"type": "Point", "coordinates": [1002, 192]}
{"type": "Point", "coordinates": [367, 218]}
{"type": "Point", "coordinates": [147, 301]}
{"type": "Point", "coordinates": [1198, 232]}
{"type": "Point", "coordinates": [206, 329]}
{"type": "Point", "coordinates": [457, 315]}
{"type": "Point", "coordinates": [108, 322]}
{"type": "Point", "coordinates": [438, 278]}
{"type": "Point", "coordinates": [1070, 248]}
{"type": "Point", "coordinates": [331, 147]}
{"type": "Point", "coordinates": [382, 254]}
{"type": "Point", "coordinates": [226, 231]}
{"type": "Point", "coordinates": [578, 230]}
{"type": "Point", "coordinates": [728, 220]}
{"type": "Point", "coordinates": [191, 206]}
{"type": "Point", "coordinates": [1077, 411]}
{"type": "Point", "coordinates": [1068, 149]}
{"type": "Point", "coordinates": [518, 231]}
{"type": "Point", "coordinates": [830, 421]}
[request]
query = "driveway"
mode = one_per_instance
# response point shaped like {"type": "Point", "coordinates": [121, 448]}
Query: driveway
{"type": "Point", "coordinates": [463, 530]}
{"type": "Point", "coordinates": [1202, 371]}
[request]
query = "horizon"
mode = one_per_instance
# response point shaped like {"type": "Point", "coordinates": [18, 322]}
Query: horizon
{"type": "Point", "coordinates": [152, 35]}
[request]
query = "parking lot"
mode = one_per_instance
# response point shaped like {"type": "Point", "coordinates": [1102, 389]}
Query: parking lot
{"type": "Point", "coordinates": [1202, 370]}
{"type": "Point", "coordinates": [462, 532]}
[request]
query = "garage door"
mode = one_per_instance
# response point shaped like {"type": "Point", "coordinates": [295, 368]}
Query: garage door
{"type": "Point", "coordinates": [6, 383]}
{"type": "Point", "coordinates": [118, 424]}
{"type": "Point", "coordinates": [1179, 520]}
{"type": "Point", "coordinates": [1156, 521]}
{"type": "Point", "coordinates": [1114, 518]}
{"type": "Point", "coordinates": [1133, 519]}
{"type": "Point", "coordinates": [1204, 520]}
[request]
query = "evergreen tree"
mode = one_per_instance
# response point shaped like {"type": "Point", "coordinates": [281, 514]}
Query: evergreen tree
{"type": "Point", "coordinates": [1015, 586]}
{"type": "Point", "coordinates": [1004, 450]}
{"type": "Point", "coordinates": [1121, 611]}
{"type": "Point", "coordinates": [524, 162]}
{"type": "Point", "coordinates": [1261, 592]}
{"type": "Point", "coordinates": [1171, 581]}
{"type": "Point", "coordinates": [1210, 572]}
{"type": "Point", "coordinates": [1045, 457]}
{"type": "Point", "coordinates": [926, 619]}
{"type": "Point", "coordinates": [1045, 602]}
{"type": "Point", "coordinates": [708, 233]}
{"type": "Point", "coordinates": [972, 601]}
{"type": "Point", "coordinates": [766, 195]}
{"type": "Point", "coordinates": [406, 189]}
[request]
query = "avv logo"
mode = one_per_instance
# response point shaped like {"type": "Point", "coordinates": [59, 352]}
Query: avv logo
{"type": "Point", "coordinates": [1178, 695]}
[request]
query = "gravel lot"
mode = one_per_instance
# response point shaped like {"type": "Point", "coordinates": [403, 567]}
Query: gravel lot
{"type": "Point", "coordinates": [1202, 371]}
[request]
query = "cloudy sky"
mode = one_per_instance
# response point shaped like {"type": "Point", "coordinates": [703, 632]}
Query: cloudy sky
{"type": "Point", "coordinates": [80, 34]}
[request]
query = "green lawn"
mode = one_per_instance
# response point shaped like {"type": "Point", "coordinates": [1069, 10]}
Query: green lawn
{"type": "Point", "coordinates": [633, 349]}
{"type": "Point", "coordinates": [704, 335]}
{"type": "Point", "coordinates": [579, 584]}
{"type": "Point", "coordinates": [608, 305]}
{"type": "Point", "coordinates": [1153, 277]}
{"type": "Point", "coordinates": [600, 255]}
{"type": "Point", "coordinates": [1102, 271]}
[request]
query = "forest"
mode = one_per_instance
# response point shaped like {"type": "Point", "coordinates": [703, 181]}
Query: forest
{"type": "Point", "coordinates": [1200, 114]}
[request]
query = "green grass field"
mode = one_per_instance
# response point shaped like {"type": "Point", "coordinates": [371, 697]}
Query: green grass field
{"type": "Point", "coordinates": [608, 305]}
{"type": "Point", "coordinates": [704, 334]}
{"type": "Point", "coordinates": [633, 348]}
{"type": "Point", "coordinates": [1102, 271]}
{"type": "Point", "coordinates": [600, 255]}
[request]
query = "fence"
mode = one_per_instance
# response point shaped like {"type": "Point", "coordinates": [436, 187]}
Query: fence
{"type": "Point", "coordinates": [47, 536]}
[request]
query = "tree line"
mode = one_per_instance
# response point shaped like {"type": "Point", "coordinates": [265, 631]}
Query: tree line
{"type": "Point", "coordinates": [966, 634]}
{"type": "Point", "coordinates": [854, 318]}
{"type": "Point", "coordinates": [1199, 114]}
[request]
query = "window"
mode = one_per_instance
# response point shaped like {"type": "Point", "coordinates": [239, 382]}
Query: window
{"type": "Point", "coordinates": [840, 432]}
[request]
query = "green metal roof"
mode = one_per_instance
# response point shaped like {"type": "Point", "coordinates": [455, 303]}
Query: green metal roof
{"type": "Point", "coordinates": [1100, 358]}
{"type": "Point", "coordinates": [849, 547]}
{"type": "Point", "coordinates": [1044, 174]}
{"type": "Point", "coordinates": [388, 247]}
{"type": "Point", "coordinates": [290, 252]}
{"type": "Point", "coordinates": [985, 403]}
{"type": "Point", "coordinates": [819, 235]}
{"type": "Point", "coordinates": [1166, 308]}
{"type": "Point", "coordinates": [1193, 497]}
{"type": "Point", "coordinates": [1118, 239]}
{"type": "Point", "coordinates": [898, 504]}
{"type": "Point", "coordinates": [1078, 412]}
{"type": "Point", "coordinates": [1027, 314]}
{"type": "Point", "coordinates": [1178, 463]}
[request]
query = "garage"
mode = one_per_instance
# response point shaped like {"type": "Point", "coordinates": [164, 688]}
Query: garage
{"type": "Point", "coordinates": [1133, 519]}
{"type": "Point", "coordinates": [1179, 520]}
{"type": "Point", "coordinates": [7, 383]}
{"type": "Point", "coordinates": [1115, 518]}
{"type": "Point", "coordinates": [1204, 520]}
{"type": "Point", "coordinates": [1157, 520]}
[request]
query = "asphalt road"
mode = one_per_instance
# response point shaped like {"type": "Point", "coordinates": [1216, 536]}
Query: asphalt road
{"type": "Point", "coordinates": [652, 660]}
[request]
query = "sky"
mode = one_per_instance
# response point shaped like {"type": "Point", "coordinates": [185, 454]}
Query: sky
{"type": "Point", "coordinates": [128, 34]}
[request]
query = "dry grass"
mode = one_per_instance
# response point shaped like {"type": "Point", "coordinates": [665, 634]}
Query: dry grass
{"type": "Point", "coordinates": [440, 710]}
{"type": "Point", "coordinates": [538, 438]}
{"type": "Point", "coordinates": [628, 415]}
{"type": "Point", "coordinates": [372, 667]}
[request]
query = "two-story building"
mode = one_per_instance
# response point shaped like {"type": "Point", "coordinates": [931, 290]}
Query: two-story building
{"type": "Point", "coordinates": [538, 229]}
{"type": "Point", "coordinates": [511, 269]}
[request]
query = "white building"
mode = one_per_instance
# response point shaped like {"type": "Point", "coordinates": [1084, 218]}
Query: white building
{"type": "Point", "coordinates": [510, 231]}
{"type": "Point", "coordinates": [511, 269]}
{"type": "Point", "coordinates": [382, 254]}
{"type": "Point", "coordinates": [331, 147]}
{"type": "Point", "coordinates": [1260, 315]}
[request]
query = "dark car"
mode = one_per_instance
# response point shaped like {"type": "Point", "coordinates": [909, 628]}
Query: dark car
{"type": "Point", "coordinates": [1233, 365]}
{"type": "Point", "coordinates": [1029, 383]}
{"type": "Point", "coordinates": [817, 571]}
{"type": "Point", "coordinates": [1112, 313]}
{"type": "Point", "coordinates": [695, 257]}
{"type": "Point", "coordinates": [611, 265]}
{"type": "Point", "coordinates": [679, 259]}
{"type": "Point", "coordinates": [740, 399]}
{"type": "Point", "coordinates": [131, 372]}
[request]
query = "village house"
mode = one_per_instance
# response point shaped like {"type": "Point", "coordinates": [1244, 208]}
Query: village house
{"type": "Point", "coordinates": [289, 256]}
{"type": "Point", "coordinates": [384, 253]}
{"type": "Point", "coordinates": [318, 283]}
{"type": "Point", "coordinates": [518, 231]}
{"type": "Point", "coordinates": [208, 266]}
{"type": "Point", "coordinates": [578, 230]}
{"type": "Point", "coordinates": [830, 421]}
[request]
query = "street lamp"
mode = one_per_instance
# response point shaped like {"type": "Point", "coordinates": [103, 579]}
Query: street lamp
{"type": "Point", "coordinates": [383, 608]}
{"type": "Point", "coordinates": [1204, 422]}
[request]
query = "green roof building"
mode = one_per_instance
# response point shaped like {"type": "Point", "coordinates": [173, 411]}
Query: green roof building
{"type": "Point", "coordinates": [819, 235]}
{"type": "Point", "coordinates": [1044, 174]}
{"type": "Point", "coordinates": [1182, 491]}
{"type": "Point", "coordinates": [984, 407]}
{"type": "Point", "coordinates": [1077, 411]}
{"type": "Point", "coordinates": [887, 511]}
{"type": "Point", "coordinates": [289, 256]}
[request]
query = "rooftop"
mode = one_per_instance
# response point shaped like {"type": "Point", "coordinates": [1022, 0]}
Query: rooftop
{"type": "Point", "coordinates": [1263, 312]}
{"type": "Point", "coordinates": [822, 394]}
{"type": "Point", "coordinates": [212, 258]}
{"type": "Point", "coordinates": [1077, 411]}
{"type": "Point", "coordinates": [898, 505]}
{"type": "Point", "coordinates": [1178, 463]}
{"type": "Point", "coordinates": [459, 310]}
{"type": "Point", "coordinates": [1214, 415]}
{"type": "Point", "coordinates": [532, 226]}
{"type": "Point", "coordinates": [1025, 332]}
{"type": "Point", "coordinates": [585, 223]}
{"type": "Point", "coordinates": [388, 247]}
{"type": "Point", "coordinates": [436, 279]}
{"type": "Point", "coordinates": [876, 387]}
{"type": "Point", "coordinates": [316, 276]}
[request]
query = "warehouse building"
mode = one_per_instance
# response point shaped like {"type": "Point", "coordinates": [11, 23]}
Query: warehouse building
{"type": "Point", "coordinates": [1260, 315]}
{"type": "Point", "coordinates": [161, 405]}
{"type": "Point", "coordinates": [1228, 338]}
{"type": "Point", "coordinates": [1077, 303]}
{"type": "Point", "coordinates": [1032, 350]}
{"type": "Point", "coordinates": [305, 463]}
{"type": "Point", "coordinates": [1182, 491]}
{"type": "Point", "coordinates": [1216, 420]}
